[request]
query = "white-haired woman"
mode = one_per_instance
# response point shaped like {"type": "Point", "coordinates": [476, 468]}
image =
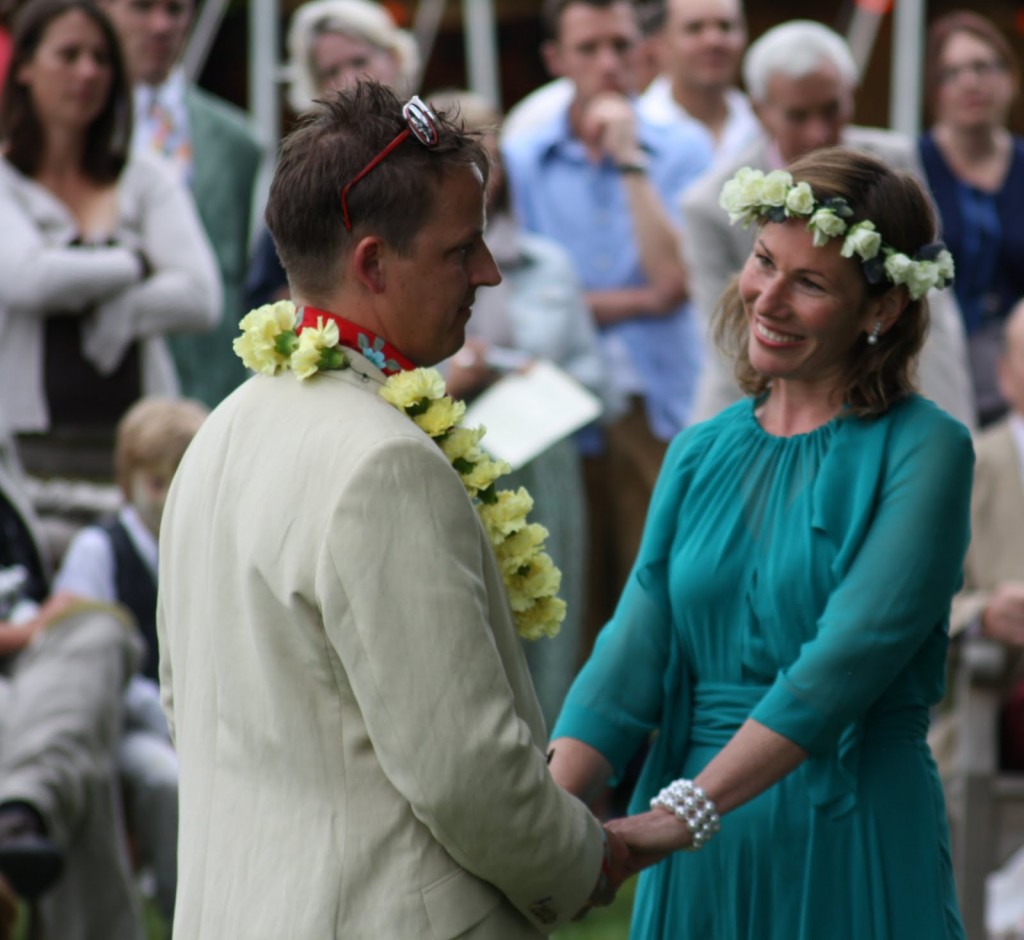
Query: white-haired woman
{"type": "Point", "coordinates": [331, 45]}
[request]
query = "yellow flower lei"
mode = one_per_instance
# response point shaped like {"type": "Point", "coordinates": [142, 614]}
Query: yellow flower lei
{"type": "Point", "coordinates": [270, 345]}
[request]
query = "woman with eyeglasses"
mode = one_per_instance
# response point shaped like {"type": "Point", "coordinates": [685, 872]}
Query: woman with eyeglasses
{"type": "Point", "coordinates": [975, 169]}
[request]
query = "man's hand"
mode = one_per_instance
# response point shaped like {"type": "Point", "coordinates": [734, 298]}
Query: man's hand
{"type": "Point", "coordinates": [15, 637]}
{"type": "Point", "coordinates": [608, 126]}
{"type": "Point", "coordinates": [615, 869]}
{"type": "Point", "coordinates": [1003, 617]}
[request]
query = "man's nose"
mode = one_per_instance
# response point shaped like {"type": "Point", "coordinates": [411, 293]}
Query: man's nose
{"type": "Point", "coordinates": [487, 274]}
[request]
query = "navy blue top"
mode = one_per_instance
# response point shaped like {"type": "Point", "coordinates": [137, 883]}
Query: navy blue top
{"type": "Point", "coordinates": [985, 233]}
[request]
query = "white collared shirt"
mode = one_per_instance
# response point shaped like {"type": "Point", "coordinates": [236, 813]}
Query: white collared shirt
{"type": "Point", "coordinates": [88, 569]}
{"type": "Point", "coordinates": [170, 97]}
{"type": "Point", "coordinates": [740, 128]}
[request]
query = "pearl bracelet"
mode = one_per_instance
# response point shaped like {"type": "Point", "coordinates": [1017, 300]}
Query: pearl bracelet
{"type": "Point", "coordinates": [691, 805]}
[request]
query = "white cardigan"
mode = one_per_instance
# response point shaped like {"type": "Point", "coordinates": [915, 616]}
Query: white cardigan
{"type": "Point", "coordinates": [42, 274]}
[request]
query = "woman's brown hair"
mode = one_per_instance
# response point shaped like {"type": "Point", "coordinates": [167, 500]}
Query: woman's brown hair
{"type": "Point", "coordinates": [876, 376]}
{"type": "Point", "coordinates": [108, 136]}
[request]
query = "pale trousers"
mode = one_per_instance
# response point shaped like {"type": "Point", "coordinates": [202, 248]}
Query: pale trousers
{"type": "Point", "coordinates": [149, 775]}
{"type": "Point", "coordinates": [60, 720]}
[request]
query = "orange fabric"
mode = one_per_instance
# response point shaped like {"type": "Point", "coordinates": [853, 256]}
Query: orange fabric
{"type": "Point", "coordinates": [878, 7]}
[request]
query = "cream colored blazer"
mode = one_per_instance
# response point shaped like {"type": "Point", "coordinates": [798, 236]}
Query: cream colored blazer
{"type": "Point", "coordinates": [362, 753]}
{"type": "Point", "coordinates": [716, 251]}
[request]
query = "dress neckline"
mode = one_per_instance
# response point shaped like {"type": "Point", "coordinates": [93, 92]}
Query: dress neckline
{"type": "Point", "coordinates": [820, 431]}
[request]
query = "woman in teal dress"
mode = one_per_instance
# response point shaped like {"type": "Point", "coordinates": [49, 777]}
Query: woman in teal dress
{"type": "Point", "coordinates": [783, 633]}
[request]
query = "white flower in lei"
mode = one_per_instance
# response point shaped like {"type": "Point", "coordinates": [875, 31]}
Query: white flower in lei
{"type": "Point", "coordinates": [752, 196]}
{"type": "Point", "coordinates": [270, 345]}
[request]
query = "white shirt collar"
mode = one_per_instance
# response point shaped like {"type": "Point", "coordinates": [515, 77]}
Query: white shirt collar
{"type": "Point", "coordinates": [741, 124]}
{"type": "Point", "coordinates": [170, 94]}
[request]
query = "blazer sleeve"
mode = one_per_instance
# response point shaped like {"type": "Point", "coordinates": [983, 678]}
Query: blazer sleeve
{"type": "Point", "coordinates": [404, 600]}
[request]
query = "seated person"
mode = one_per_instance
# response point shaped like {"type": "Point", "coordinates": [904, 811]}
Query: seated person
{"type": "Point", "coordinates": [62, 668]}
{"type": "Point", "coordinates": [115, 561]}
{"type": "Point", "coordinates": [991, 602]}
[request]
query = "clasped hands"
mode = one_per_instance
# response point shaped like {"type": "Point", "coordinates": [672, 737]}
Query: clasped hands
{"type": "Point", "coordinates": [635, 843]}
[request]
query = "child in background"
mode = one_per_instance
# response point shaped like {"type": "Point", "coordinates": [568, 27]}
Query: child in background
{"type": "Point", "coordinates": [115, 561]}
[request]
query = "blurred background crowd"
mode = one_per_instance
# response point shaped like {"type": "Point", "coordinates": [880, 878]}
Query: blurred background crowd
{"type": "Point", "coordinates": [136, 142]}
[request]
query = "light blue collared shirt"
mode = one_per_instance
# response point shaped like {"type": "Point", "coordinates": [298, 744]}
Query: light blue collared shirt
{"type": "Point", "coordinates": [558, 192]}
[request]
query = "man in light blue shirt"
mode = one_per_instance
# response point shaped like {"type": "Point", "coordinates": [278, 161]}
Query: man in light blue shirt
{"type": "Point", "coordinates": [605, 183]}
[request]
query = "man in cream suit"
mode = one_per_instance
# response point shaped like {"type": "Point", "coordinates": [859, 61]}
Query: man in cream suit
{"type": "Point", "coordinates": [362, 753]}
{"type": "Point", "coordinates": [801, 78]}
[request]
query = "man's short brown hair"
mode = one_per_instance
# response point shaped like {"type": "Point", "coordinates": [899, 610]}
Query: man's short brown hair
{"type": "Point", "coordinates": [336, 139]}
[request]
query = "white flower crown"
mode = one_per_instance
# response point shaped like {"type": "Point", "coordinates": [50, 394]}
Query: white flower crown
{"type": "Point", "coordinates": [752, 195]}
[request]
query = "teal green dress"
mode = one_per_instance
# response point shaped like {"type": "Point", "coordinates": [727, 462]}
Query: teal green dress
{"type": "Point", "coordinates": [804, 582]}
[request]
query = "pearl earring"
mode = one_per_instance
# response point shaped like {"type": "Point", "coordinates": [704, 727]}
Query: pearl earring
{"type": "Point", "coordinates": [875, 333]}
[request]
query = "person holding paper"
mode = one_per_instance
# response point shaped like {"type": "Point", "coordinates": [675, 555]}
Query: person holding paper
{"type": "Point", "coordinates": [537, 312]}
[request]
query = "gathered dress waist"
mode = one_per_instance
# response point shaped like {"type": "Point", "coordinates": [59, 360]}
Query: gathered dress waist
{"type": "Point", "coordinates": [720, 708]}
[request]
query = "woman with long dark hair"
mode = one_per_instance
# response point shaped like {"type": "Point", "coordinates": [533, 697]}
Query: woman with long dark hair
{"type": "Point", "coordinates": [100, 253]}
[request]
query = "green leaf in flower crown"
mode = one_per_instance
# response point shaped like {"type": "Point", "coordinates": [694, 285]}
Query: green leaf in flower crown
{"type": "Point", "coordinates": [417, 408]}
{"type": "Point", "coordinates": [489, 496]}
{"type": "Point", "coordinates": [463, 466]}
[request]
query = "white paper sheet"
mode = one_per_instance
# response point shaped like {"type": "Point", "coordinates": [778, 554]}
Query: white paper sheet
{"type": "Point", "coordinates": [526, 412]}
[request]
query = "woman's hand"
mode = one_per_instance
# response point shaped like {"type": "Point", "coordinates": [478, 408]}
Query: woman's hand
{"type": "Point", "coordinates": [650, 836]}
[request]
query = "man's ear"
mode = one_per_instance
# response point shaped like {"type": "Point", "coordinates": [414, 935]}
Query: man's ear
{"type": "Point", "coordinates": [368, 263]}
{"type": "Point", "coordinates": [552, 58]}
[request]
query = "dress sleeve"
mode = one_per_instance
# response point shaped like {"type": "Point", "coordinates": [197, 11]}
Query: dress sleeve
{"type": "Point", "coordinates": [619, 696]}
{"type": "Point", "coordinates": [894, 593]}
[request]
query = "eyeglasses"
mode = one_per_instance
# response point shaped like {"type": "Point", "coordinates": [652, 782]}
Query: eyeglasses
{"type": "Point", "coordinates": [421, 123]}
{"type": "Point", "coordinates": [979, 68]}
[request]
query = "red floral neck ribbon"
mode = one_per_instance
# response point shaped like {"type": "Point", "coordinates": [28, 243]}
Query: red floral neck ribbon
{"type": "Point", "coordinates": [380, 352]}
